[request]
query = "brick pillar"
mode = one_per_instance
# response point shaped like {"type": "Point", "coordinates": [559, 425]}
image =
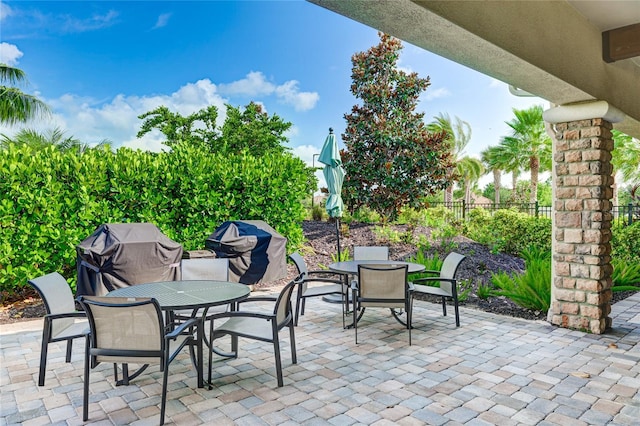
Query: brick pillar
{"type": "Point", "coordinates": [581, 297]}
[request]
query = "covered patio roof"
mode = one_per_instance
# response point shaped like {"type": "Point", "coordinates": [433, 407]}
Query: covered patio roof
{"type": "Point", "coordinates": [552, 49]}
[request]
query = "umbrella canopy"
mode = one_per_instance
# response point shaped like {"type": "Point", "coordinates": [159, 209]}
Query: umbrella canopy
{"type": "Point", "coordinates": [333, 174]}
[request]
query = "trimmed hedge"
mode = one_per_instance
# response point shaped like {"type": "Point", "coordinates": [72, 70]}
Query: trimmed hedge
{"type": "Point", "coordinates": [51, 200]}
{"type": "Point", "coordinates": [508, 230]}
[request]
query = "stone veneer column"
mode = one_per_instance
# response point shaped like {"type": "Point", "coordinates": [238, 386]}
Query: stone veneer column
{"type": "Point", "coordinates": [581, 278]}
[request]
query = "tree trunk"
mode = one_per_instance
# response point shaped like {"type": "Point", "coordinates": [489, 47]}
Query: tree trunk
{"type": "Point", "coordinates": [467, 192]}
{"type": "Point", "coordinates": [496, 185]}
{"type": "Point", "coordinates": [448, 196]}
{"type": "Point", "coordinates": [534, 163]}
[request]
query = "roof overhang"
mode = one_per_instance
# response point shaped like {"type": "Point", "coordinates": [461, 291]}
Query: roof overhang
{"type": "Point", "coordinates": [547, 48]}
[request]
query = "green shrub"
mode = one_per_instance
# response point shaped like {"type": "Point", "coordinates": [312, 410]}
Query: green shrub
{"type": "Point", "coordinates": [50, 200]}
{"type": "Point", "coordinates": [317, 212]}
{"type": "Point", "coordinates": [531, 289]}
{"type": "Point", "coordinates": [431, 263]}
{"type": "Point", "coordinates": [625, 242]}
{"type": "Point", "coordinates": [508, 231]}
{"type": "Point", "coordinates": [484, 291]}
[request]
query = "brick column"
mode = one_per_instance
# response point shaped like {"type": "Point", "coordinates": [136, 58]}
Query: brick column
{"type": "Point", "coordinates": [583, 225]}
{"type": "Point", "coordinates": [581, 273]}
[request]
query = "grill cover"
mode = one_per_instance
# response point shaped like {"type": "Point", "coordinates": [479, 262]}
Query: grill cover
{"type": "Point", "coordinates": [256, 252]}
{"type": "Point", "coordinates": [117, 255]}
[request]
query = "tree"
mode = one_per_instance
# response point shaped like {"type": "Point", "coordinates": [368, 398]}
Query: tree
{"type": "Point", "coordinates": [625, 159]}
{"type": "Point", "coordinates": [391, 159]}
{"type": "Point", "coordinates": [198, 129]}
{"type": "Point", "coordinates": [532, 142]}
{"type": "Point", "coordinates": [15, 105]}
{"type": "Point", "coordinates": [458, 137]}
{"type": "Point", "coordinates": [254, 130]}
{"type": "Point", "coordinates": [470, 169]}
{"type": "Point", "coordinates": [491, 159]}
{"type": "Point", "coordinates": [56, 137]}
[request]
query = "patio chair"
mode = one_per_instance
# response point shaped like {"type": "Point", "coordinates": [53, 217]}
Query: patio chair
{"type": "Point", "coordinates": [370, 253]}
{"type": "Point", "coordinates": [381, 286]}
{"type": "Point", "coordinates": [60, 321]}
{"type": "Point", "coordinates": [131, 330]}
{"type": "Point", "coordinates": [258, 325]}
{"type": "Point", "coordinates": [321, 284]}
{"type": "Point", "coordinates": [214, 269]}
{"type": "Point", "coordinates": [448, 286]}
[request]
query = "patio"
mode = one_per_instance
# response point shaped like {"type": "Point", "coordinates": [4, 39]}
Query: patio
{"type": "Point", "coordinates": [491, 370]}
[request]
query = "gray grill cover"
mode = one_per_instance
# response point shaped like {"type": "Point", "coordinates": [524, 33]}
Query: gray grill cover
{"type": "Point", "coordinates": [256, 252]}
{"type": "Point", "coordinates": [118, 255]}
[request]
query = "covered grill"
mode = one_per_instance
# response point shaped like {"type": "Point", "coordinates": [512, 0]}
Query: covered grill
{"type": "Point", "coordinates": [256, 252]}
{"type": "Point", "coordinates": [123, 254]}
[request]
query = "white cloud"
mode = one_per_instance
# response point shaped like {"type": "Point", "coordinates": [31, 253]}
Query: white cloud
{"type": "Point", "coordinates": [71, 24]}
{"type": "Point", "coordinates": [9, 54]}
{"type": "Point", "coordinates": [496, 84]}
{"type": "Point", "coordinates": [440, 92]}
{"type": "Point", "coordinates": [162, 21]}
{"type": "Point", "coordinates": [254, 84]}
{"type": "Point", "coordinates": [117, 120]}
{"type": "Point", "coordinates": [5, 11]}
{"type": "Point", "coordinates": [289, 94]}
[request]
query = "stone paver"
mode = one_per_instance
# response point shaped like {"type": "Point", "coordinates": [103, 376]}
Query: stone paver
{"type": "Point", "coordinates": [491, 370]}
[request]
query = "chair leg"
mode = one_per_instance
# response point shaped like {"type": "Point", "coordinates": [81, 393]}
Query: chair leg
{"type": "Point", "coordinates": [43, 352]}
{"type": "Point", "coordinates": [454, 296]}
{"type": "Point", "coordinates": [292, 336]}
{"type": "Point", "coordinates": [409, 314]}
{"type": "Point", "coordinates": [165, 378]}
{"type": "Point", "coordinates": [69, 348]}
{"type": "Point", "coordinates": [444, 306]}
{"type": "Point", "coordinates": [276, 352]}
{"type": "Point", "coordinates": [298, 302]}
{"type": "Point", "coordinates": [355, 315]}
{"type": "Point", "coordinates": [85, 395]}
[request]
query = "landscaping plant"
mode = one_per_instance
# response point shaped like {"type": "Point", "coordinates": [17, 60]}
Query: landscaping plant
{"type": "Point", "coordinates": [532, 288]}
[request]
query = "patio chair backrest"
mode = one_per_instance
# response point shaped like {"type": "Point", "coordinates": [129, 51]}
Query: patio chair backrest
{"type": "Point", "coordinates": [282, 309]}
{"type": "Point", "coordinates": [301, 265]}
{"type": "Point", "coordinates": [57, 297]}
{"type": "Point", "coordinates": [370, 253]}
{"type": "Point", "coordinates": [383, 286]}
{"type": "Point", "coordinates": [216, 269]}
{"type": "Point", "coordinates": [449, 268]}
{"type": "Point", "coordinates": [125, 329]}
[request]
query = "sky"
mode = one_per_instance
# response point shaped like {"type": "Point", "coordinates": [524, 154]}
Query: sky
{"type": "Point", "coordinates": [100, 64]}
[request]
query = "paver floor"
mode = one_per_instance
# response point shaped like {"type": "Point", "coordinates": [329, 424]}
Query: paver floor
{"type": "Point", "coordinates": [493, 370]}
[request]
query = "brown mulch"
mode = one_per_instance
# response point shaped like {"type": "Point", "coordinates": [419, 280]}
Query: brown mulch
{"type": "Point", "coordinates": [321, 246]}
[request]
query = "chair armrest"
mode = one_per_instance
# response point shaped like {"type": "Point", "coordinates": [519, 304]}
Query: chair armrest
{"type": "Point", "coordinates": [354, 285]}
{"type": "Point", "coordinates": [421, 280]}
{"type": "Point", "coordinates": [323, 280]}
{"type": "Point", "coordinates": [77, 314]}
{"type": "Point", "coordinates": [411, 286]}
{"type": "Point", "coordinates": [259, 299]}
{"type": "Point", "coordinates": [236, 314]}
{"type": "Point", "coordinates": [182, 327]}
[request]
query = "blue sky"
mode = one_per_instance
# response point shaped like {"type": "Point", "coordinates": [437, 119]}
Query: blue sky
{"type": "Point", "coordinates": [101, 64]}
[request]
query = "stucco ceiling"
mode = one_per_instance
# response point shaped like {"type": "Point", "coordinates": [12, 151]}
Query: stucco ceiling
{"type": "Point", "coordinates": [550, 48]}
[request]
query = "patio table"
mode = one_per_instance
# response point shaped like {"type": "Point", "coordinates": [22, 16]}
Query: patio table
{"type": "Point", "coordinates": [188, 294]}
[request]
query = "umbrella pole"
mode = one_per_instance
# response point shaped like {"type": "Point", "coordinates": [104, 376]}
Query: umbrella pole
{"type": "Point", "coordinates": [338, 237]}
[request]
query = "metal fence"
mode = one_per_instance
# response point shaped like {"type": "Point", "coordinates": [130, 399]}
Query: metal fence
{"type": "Point", "coordinates": [622, 214]}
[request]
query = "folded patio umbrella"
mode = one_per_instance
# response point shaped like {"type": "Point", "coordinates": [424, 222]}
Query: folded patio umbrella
{"type": "Point", "coordinates": [334, 175]}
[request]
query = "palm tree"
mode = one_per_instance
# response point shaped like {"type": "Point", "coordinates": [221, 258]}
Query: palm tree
{"type": "Point", "coordinates": [37, 141]}
{"type": "Point", "coordinates": [15, 105]}
{"type": "Point", "coordinates": [625, 159]}
{"type": "Point", "coordinates": [470, 169]}
{"type": "Point", "coordinates": [532, 142]}
{"type": "Point", "coordinates": [459, 134]}
{"type": "Point", "coordinates": [491, 160]}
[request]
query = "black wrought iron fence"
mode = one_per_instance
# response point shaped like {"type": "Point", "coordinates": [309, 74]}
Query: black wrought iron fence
{"type": "Point", "coordinates": [624, 214]}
